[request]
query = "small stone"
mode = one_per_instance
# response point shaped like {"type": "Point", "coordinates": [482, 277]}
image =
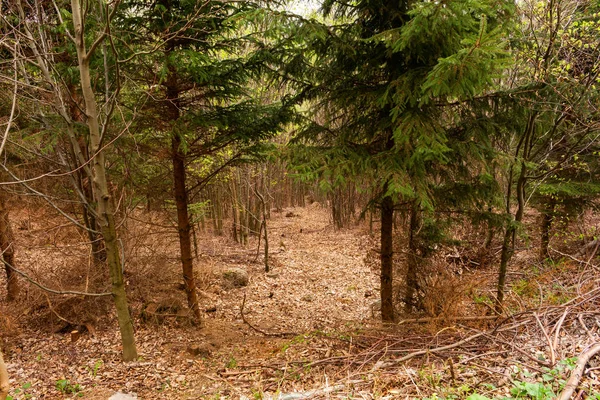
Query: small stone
{"type": "Point", "coordinates": [236, 277]}
{"type": "Point", "coordinates": [123, 396]}
{"type": "Point", "coordinates": [273, 275]}
{"type": "Point", "coordinates": [308, 297]}
{"type": "Point", "coordinates": [198, 350]}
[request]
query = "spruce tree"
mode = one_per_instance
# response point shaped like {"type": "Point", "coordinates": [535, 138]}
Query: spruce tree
{"type": "Point", "coordinates": [196, 63]}
{"type": "Point", "coordinates": [391, 81]}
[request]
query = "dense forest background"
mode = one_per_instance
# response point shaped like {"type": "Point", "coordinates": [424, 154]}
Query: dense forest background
{"type": "Point", "coordinates": [439, 160]}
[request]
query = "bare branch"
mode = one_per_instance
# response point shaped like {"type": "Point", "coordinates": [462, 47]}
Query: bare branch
{"type": "Point", "coordinates": [61, 292]}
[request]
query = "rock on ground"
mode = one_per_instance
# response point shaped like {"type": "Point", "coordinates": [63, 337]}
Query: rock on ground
{"type": "Point", "coordinates": [236, 277]}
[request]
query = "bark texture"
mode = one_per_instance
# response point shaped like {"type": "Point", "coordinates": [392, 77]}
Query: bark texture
{"type": "Point", "coordinates": [180, 193]}
{"type": "Point", "coordinates": [387, 258]}
{"type": "Point", "coordinates": [184, 228]}
{"type": "Point", "coordinates": [412, 285]}
{"type": "Point", "coordinates": [104, 211]}
{"type": "Point", "coordinates": [4, 386]}
{"type": "Point", "coordinates": [546, 225]}
{"type": "Point", "coordinates": [8, 250]}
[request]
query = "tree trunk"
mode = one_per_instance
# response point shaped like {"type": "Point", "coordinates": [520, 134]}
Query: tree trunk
{"type": "Point", "coordinates": [508, 243]}
{"type": "Point", "coordinates": [504, 258]}
{"type": "Point", "coordinates": [184, 228]}
{"type": "Point", "coordinates": [412, 264]}
{"type": "Point", "coordinates": [387, 259]}
{"type": "Point", "coordinates": [234, 208]}
{"type": "Point", "coordinates": [4, 385]}
{"type": "Point", "coordinates": [8, 250]}
{"type": "Point", "coordinates": [546, 225]}
{"type": "Point", "coordinates": [105, 214]}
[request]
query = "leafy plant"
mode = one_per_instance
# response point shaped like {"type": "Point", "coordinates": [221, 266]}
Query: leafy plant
{"type": "Point", "coordinates": [94, 370]}
{"type": "Point", "coordinates": [232, 363]}
{"type": "Point", "coordinates": [66, 387]}
{"type": "Point", "coordinates": [22, 392]}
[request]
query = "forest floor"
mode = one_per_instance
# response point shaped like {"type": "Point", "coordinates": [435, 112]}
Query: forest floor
{"type": "Point", "coordinates": [309, 328]}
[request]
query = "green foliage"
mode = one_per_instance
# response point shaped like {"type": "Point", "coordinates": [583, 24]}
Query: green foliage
{"type": "Point", "coordinates": [379, 87]}
{"type": "Point", "coordinates": [21, 392]}
{"type": "Point", "coordinates": [231, 363]}
{"type": "Point", "coordinates": [94, 370]}
{"type": "Point", "coordinates": [66, 387]}
{"type": "Point", "coordinates": [546, 387]}
{"type": "Point", "coordinates": [209, 87]}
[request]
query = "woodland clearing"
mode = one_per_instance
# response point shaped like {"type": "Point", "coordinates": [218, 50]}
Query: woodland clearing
{"type": "Point", "coordinates": [306, 329]}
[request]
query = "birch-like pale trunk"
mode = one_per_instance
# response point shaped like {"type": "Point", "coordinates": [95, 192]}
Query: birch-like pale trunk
{"type": "Point", "coordinates": [105, 212]}
{"type": "Point", "coordinates": [4, 385]}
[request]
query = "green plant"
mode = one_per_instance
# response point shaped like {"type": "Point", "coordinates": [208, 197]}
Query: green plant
{"type": "Point", "coordinates": [257, 394]}
{"type": "Point", "coordinates": [528, 390]}
{"type": "Point", "coordinates": [22, 391]}
{"type": "Point", "coordinates": [94, 370]}
{"type": "Point", "coordinates": [232, 363]}
{"type": "Point", "coordinates": [551, 382]}
{"type": "Point", "coordinates": [66, 387]}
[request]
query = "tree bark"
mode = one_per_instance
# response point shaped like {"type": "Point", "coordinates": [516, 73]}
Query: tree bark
{"type": "Point", "coordinates": [184, 228]}
{"type": "Point", "coordinates": [412, 265]}
{"type": "Point", "coordinates": [8, 250]}
{"type": "Point", "coordinates": [506, 253]}
{"type": "Point", "coordinates": [105, 213]}
{"type": "Point", "coordinates": [546, 225]}
{"type": "Point", "coordinates": [4, 385]}
{"type": "Point", "coordinates": [387, 259]}
{"type": "Point", "coordinates": [508, 243]}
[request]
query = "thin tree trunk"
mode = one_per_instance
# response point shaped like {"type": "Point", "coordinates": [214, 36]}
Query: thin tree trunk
{"type": "Point", "coordinates": [100, 189]}
{"type": "Point", "coordinates": [508, 243]}
{"type": "Point", "coordinates": [8, 250]}
{"type": "Point", "coordinates": [4, 384]}
{"type": "Point", "coordinates": [489, 237]}
{"type": "Point", "coordinates": [234, 208]}
{"type": "Point", "coordinates": [263, 225]}
{"type": "Point", "coordinates": [412, 267]}
{"type": "Point", "coordinates": [387, 258]}
{"type": "Point", "coordinates": [184, 228]}
{"type": "Point", "coordinates": [546, 225]}
{"type": "Point", "coordinates": [504, 258]}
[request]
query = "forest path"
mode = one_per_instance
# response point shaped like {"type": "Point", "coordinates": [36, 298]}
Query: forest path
{"type": "Point", "coordinates": [319, 284]}
{"type": "Point", "coordinates": [317, 280]}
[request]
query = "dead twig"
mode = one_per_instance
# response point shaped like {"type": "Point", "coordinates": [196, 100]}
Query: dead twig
{"type": "Point", "coordinates": [433, 319]}
{"type": "Point", "coordinates": [276, 334]}
{"type": "Point", "coordinates": [552, 354]}
{"type": "Point", "coordinates": [558, 326]}
{"type": "Point", "coordinates": [578, 372]}
{"type": "Point", "coordinates": [47, 289]}
{"type": "Point", "coordinates": [584, 326]}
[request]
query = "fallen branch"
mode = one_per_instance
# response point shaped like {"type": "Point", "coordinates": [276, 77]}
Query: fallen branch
{"type": "Point", "coordinates": [276, 334]}
{"type": "Point", "coordinates": [550, 346]}
{"type": "Point", "coordinates": [593, 245]}
{"type": "Point", "coordinates": [433, 319]}
{"type": "Point", "coordinates": [578, 372]}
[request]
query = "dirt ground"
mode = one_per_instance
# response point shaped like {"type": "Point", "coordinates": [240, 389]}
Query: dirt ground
{"type": "Point", "coordinates": [308, 328]}
{"type": "Point", "coordinates": [318, 283]}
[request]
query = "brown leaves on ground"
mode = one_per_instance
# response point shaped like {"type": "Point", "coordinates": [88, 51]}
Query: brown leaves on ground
{"type": "Point", "coordinates": [315, 306]}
